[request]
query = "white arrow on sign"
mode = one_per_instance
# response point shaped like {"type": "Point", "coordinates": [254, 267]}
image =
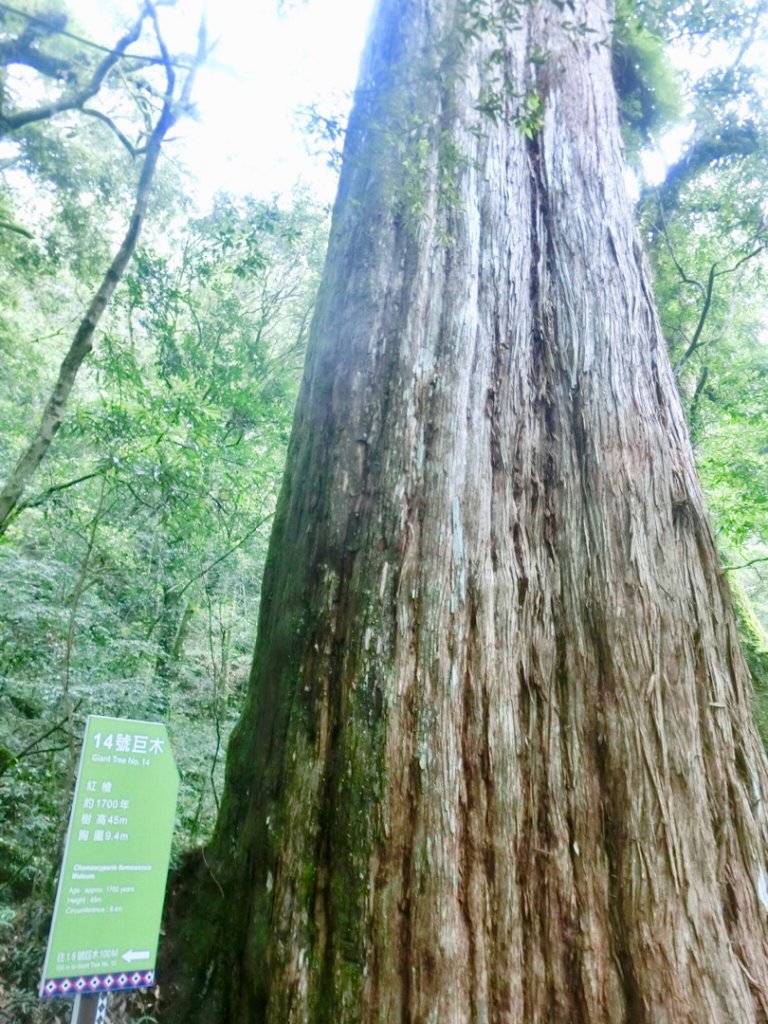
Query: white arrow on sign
{"type": "Point", "coordinates": [136, 954]}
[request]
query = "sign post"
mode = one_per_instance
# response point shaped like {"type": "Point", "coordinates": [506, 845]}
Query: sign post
{"type": "Point", "coordinates": [90, 1009]}
{"type": "Point", "coordinates": [109, 901]}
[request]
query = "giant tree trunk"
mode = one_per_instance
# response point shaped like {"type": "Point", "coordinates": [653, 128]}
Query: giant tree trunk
{"type": "Point", "coordinates": [498, 764]}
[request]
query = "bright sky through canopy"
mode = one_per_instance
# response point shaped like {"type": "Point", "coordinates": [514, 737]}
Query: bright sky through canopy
{"type": "Point", "coordinates": [266, 65]}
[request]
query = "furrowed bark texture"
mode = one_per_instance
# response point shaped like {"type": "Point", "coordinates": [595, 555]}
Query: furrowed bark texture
{"type": "Point", "coordinates": [498, 763]}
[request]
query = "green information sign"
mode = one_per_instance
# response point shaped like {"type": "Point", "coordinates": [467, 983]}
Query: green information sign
{"type": "Point", "coordinates": [110, 896]}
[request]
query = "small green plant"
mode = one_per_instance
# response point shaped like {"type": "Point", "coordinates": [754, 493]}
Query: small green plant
{"type": "Point", "coordinates": [411, 191]}
{"type": "Point", "coordinates": [530, 115]}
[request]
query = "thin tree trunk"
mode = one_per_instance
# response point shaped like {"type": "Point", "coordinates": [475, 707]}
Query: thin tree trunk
{"type": "Point", "coordinates": [172, 635]}
{"type": "Point", "coordinates": [82, 343]}
{"type": "Point", "coordinates": [69, 646]}
{"type": "Point", "coordinates": [497, 762]}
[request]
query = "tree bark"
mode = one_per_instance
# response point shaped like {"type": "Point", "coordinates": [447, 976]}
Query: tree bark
{"type": "Point", "coordinates": [497, 762]}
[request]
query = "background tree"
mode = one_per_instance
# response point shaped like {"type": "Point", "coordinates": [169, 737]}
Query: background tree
{"type": "Point", "coordinates": [497, 760]}
{"type": "Point", "coordinates": [174, 100]}
{"type": "Point", "coordinates": [706, 231]}
{"type": "Point", "coordinates": [131, 581]}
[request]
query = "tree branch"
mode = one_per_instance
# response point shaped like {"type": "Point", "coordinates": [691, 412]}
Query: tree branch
{"type": "Point", "coordinates": [41, 498]}
{"type": "Point", "coordinates": [745, 565]}
{"type": "Point", "coordinates": [43, 736]}
{"type": "Point", "coordinates": [712, 276]}
{"type": "Point", "coordinates": [53, 414]}
{"type": "Point", "coordinates": [12, 122]}
{"type": "Point", "coordinates": [133, 150]}
{"type": "Point", "coordinates": [59, 30]}
{"type": "Point", "coordinates": [175, 594]}
{"type": "Point", "coordinates": [6, 225]}
{"type": "Point", "coordinates": [663, 228]}
{"type": "Point", "coordinates": [741, 262]}
{"type": "Point", "coordinates": [21, 51]}
{"type": "Point", "coordinates": [693, 411]}
{"type": "Point", "coordinates": [696, 339]}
